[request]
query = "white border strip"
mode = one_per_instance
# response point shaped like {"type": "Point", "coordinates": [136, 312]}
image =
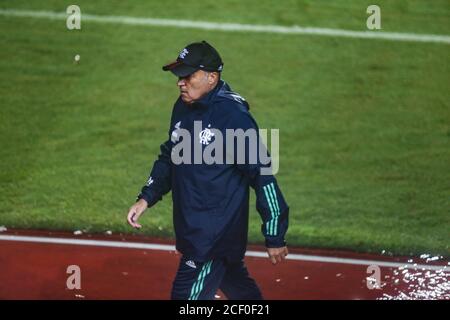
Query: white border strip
{"type": "Point", "coordinates": [233, 27]}
{"type": "Point", "coordinates": [165, 247]}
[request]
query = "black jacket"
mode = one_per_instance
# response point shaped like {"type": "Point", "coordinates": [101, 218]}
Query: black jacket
{"type": "Point", "coordinates": [211, 201]}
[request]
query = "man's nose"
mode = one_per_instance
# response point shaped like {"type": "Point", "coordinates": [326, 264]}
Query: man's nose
{"type": "Point", "coordinates": [181, 82]}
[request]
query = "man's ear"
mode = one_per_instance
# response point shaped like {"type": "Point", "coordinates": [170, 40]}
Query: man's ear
{"type": "Point", "coordinates": [213, 76]}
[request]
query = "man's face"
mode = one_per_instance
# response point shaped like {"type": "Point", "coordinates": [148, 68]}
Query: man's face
{"type": "Point", "coordinates": [194, 86]}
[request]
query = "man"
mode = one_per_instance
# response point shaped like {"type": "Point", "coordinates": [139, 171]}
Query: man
{"type": "Point", "coordinates": [211, 201]}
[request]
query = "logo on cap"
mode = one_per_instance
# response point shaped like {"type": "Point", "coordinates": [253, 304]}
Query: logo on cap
{"type": "Point", "coordinates": [183, 53]}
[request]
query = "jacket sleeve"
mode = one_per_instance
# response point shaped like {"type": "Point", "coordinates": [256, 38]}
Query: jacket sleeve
{"type": "Point", "coordinates": [160, 180]}
{"type": "Point", "coordinates": [270, 202]}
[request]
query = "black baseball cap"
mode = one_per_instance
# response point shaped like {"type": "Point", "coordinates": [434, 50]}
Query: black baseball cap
{"type": "Point", "coordinates": [196, 56]}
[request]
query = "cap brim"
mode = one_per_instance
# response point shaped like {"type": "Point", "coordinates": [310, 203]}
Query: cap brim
{"type": "Point", "coordinates": [179, 69]}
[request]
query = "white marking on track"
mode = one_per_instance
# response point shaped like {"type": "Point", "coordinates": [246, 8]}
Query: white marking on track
{"type": "Point", "coordinates": [258, 254]}
{"type": "Point", "coordinates": [234, 27]}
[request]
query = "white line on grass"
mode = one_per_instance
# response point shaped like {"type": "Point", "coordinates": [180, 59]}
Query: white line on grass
{"type": "Point", "coordinates": [236, 27]}
{"type": "Point", "coordinates": [165, 247]}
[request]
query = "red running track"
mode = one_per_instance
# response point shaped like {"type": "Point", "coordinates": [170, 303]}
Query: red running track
{"type": "Point", "coordinates": [30, 270]}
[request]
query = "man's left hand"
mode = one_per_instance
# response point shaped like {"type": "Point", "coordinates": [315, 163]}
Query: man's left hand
{"type": "Point", "coordinates": [277, 254]}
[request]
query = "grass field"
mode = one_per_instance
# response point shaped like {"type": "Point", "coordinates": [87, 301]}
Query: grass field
{"type": "Point", "coordinates": [364, 124]}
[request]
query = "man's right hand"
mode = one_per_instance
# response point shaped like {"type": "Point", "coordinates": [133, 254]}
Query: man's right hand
{"type": "Point", "coordinates": [277, 254]}
{"type": "Point", "coordinates": [135, 212]}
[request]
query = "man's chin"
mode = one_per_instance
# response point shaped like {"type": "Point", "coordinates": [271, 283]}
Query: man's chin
{"type": "Point", "coordinates": [186, 101]}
